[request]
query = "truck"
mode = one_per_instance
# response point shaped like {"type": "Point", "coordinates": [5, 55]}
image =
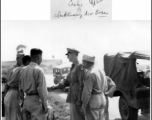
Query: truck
{"type": "Point", "coordinates": [132, 83]}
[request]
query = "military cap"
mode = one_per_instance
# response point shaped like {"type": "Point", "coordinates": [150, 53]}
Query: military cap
{"type": "Point", "coordinates": [88, 58]}
{"type": "Point", "coordinates": [71, 50]}
{"type": "Point", "coordinates": [20, 53]}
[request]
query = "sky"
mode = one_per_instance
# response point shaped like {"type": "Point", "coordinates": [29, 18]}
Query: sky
{"type": "Point", "coordinates": [89, 37]}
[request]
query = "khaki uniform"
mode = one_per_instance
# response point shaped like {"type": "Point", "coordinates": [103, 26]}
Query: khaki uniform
{"type": "Point", "coordinates": [75, 82]}
{"type": "Point", "coordinates": [10, 72]}
{"type": "Point", "coordinates": [93, 98]}
{"type": "Point", "coordinates": [110, 85]}
{"type": "Point", "coordinates": [11, 100]}
{"type": "Point", "coordinates": [33, 83]}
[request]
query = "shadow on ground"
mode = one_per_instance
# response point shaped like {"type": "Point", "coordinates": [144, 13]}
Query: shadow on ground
{"type": "Point", "coordinates": [140, 117]}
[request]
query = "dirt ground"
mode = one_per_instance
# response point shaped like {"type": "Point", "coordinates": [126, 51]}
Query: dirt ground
{"type": "Point", "coordinates": [61, 108]}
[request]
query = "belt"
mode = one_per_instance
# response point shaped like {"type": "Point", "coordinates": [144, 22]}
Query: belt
{"type": "Point", "coordinates": [29, 94]}
{"type": "Point", "coordinates": [13, 88]}
{"type": "Point", "coordinates": [96, 92]}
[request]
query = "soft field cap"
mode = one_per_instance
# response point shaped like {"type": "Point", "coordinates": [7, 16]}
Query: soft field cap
{"type": "Point", "coordinates": [88, 58]}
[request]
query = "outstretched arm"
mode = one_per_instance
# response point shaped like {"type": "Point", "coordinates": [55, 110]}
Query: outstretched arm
{"type": "Point", "coordinates": [64, 83]}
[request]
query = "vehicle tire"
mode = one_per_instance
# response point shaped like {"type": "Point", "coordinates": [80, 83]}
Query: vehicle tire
{"type": "Point", "coordinates": [127, 112]}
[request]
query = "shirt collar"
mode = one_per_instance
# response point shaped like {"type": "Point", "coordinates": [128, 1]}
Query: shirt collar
{"type": "Point", "coordinates": [33, 63]}
{"type": "Point", "coordinates": [75, 64]}
{"type": "Point", "coordinates": [89, 69]}
{"type": "Point", "coordinates": [22, 66]}
{"type": "Point", "coordinates": [15, 66]}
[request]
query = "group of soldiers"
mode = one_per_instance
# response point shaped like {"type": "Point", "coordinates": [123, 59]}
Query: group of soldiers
{"type": "Point", "coordinates": [25, 94]}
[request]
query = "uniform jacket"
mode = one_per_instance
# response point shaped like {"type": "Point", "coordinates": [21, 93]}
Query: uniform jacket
{"type": "Point", "coordinates": [94, 87]}
{"type": "Point", "coordinates": [14, 78]}
{"type": "Point", "coordinates": [33, 81]}
{"type": "Point", "coordinates": [74, 80]}
{"type": "Point", "coordinates": [9, 73]}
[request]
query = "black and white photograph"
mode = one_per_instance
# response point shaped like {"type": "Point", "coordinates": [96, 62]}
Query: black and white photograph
{"type": "Point", "coordinates": [64, 68]}
{"type": "Point", "coordinates": [119, 50]}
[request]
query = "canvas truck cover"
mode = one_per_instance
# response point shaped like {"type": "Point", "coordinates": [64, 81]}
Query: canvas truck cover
{"type": "Point", "coordinates": [121, 67]}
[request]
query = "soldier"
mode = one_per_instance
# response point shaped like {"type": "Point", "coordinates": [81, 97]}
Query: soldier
{"type": "Point", "coordinates": [19, 61]}
{"type": "Point", "coordinates": [109, 93]}
{"type": "Point", "coordinates": [33, 84]}
{"type": "Point", "coordinates": [74, 79]}
{"type": "Point", "coordinates": [11, 100]}
{"type": "Point", "coordinates": [19, 57]}
{"type": "Point", "coordinates": [93, 98]}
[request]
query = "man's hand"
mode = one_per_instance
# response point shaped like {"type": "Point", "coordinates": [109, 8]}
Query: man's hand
{"type": "Point", "coordinates": [83, 110]}
{"type": "Point", "coordinates": [79, 102]}
{"type": "Point", "coordinates": [109, 94]}
{"type": "Point", "coordinates": [52, 88]}
{"type": "Point", "coordinates": [47, 108]}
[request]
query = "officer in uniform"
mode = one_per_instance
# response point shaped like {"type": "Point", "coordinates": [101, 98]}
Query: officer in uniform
{"type": "Point", "coordinates": [33, 85]}
{"type": "Point", "coordinates": [10, 92]}
{"type": "Point", "coordinates": [93, 98]}
{"type": "Point", "coordinates": [74, 79]}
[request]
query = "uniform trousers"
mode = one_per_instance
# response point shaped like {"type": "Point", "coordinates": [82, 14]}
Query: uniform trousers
{"type": "Point", "coordinates": [106, 109]}
{"type": "Point", "coordinates": [33, 105]}
{"type": "Point", "coordinates": [75, 112]}
{"type": "Point", "coordinates": [96, 107]}
{"type": "Point", "coordinates": [12, 107]}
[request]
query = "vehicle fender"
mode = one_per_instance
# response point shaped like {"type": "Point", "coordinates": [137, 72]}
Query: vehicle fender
{"type": "Point", "coordinates": [117, 93]}
{"type": "Point", "coordinates": [131, 102]}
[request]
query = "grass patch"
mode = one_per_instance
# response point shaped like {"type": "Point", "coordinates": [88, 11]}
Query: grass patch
{"type": "Point", "coordinates": [61, 108]}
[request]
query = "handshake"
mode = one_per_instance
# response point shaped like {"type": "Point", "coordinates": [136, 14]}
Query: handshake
{"type": "Point", "coordinates": [52, 88]}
